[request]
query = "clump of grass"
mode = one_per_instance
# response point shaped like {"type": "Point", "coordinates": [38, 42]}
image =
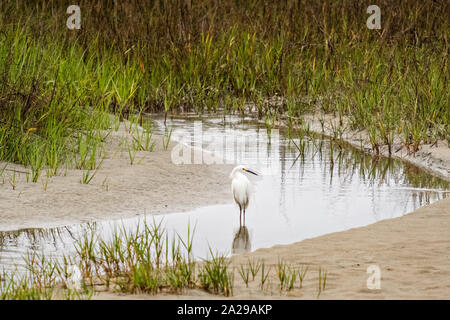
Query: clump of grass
{"type": "Point", "coordinates": [87, 177]}
{"type": "Point", "coordinates": [46, 180]}
{"type": "Point", "coordinates": [142, 260]}
{"type": "Point", "coordinates": [142, 139]}
{"type": "Point", "coordinates": [37, 163]}
{"type": "Point", "coordinates": [254, 267]}
{"type": "Point", "coordinates": [41, 281]}
{"type": "Point", "coordinates": [287, 275]}
{"type": "Point", "coordinates": [131, 154]}
{"type": "Point", "coordinates": [214, 275]}
{"type": "Point", "coordinates": [21, 288]}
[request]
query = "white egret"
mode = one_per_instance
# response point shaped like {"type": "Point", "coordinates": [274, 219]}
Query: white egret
{"type": "Point", "coordinates": [240, 187]}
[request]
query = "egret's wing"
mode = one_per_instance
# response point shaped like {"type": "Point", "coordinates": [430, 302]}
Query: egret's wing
{"type": "Point", "coordinates": [239, 186]}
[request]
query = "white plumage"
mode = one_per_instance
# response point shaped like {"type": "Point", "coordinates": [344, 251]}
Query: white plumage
{"type": "Point", "coordinates": [241, 188]}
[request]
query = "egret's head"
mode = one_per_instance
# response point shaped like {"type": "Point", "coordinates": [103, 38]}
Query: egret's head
{"type": "Point", "coordinates": [241, 168]}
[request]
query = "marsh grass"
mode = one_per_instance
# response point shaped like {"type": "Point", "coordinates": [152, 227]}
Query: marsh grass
{"type": "Point", "coordinates": [215, 276]}
{"type": "Point", "coordinates": [264, 275]}
{"type": "Point", "coordinates": [145, 259]}
{"type": "Point", "coordinates": [128, 261]}
{"type": "Point", "coordinates": [322, 280]}
{"type": "Point", "coordinates": [301, 272]}
{"type": "Point", "coordinates": [58, 89]}
{"type": "Point", "coordinates": [142, 138]}
{"type": "Point", "coordinates": [287, 275]}
{"type": "Point", "coordinates": [131, 154]}
{"type": "Point", "coordinates": [289, 58]}
{"type": "Point", "coordinates": [87, 177]}
{"type": "Point", "coordinates": [254, 267]}
{"type": "Point", "coordinates": [244, 272]}
{"type": "Point", "coordinates": [19, 288]}
{"type": "Point", "coordinates": [167, 136]}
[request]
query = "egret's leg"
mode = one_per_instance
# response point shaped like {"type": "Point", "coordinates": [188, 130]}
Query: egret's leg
{"type": "Point", "coordinates": [244, 216]}
{"type": "Point", "coordinates": [240, 216]}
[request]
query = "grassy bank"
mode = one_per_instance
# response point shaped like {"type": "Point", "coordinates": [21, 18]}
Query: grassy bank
{"type": "Point", "coordinates": [148, 261]}
{"type": "Point", "coordinates": [58, 85]}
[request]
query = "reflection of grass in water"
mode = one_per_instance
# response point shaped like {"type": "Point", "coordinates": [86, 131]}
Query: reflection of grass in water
{"type": "Point", "coordinates": [345, 160]}
{"type": "Point", "coordinates": [37, 235]}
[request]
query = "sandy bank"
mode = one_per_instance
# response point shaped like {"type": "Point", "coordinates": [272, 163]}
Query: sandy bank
{"type": "Point", "coordinates": [152, 185]}
{"type": "Point", "coordinates": [434, 158]}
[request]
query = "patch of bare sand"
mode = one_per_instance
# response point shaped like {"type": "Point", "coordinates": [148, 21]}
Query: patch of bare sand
{"type": "Point", "coordinates": [152, 185]}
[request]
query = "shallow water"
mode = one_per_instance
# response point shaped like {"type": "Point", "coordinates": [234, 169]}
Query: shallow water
{"type": "Point", "coordinates": [324, 189]}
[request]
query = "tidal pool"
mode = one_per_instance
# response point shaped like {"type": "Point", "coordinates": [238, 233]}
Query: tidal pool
{"type": "Point", "coordinates": [307, 187]}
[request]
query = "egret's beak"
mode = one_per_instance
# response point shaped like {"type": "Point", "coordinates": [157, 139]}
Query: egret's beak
{"type": "Point", "coordinates": [250, 171]}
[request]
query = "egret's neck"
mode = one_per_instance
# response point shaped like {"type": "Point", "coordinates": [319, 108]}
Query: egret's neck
{"type": "Point", "coordinates": [235, 174]}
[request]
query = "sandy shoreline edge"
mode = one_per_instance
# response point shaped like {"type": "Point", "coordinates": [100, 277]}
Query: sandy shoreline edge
{"type": "Point", "coordinates": [152, 185]}
{"type": "Point", "coordinates": [433, 158]}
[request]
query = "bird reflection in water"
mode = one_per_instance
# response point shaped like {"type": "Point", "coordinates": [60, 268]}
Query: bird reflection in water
{"type": "Point", "coordinates": [241, 241]}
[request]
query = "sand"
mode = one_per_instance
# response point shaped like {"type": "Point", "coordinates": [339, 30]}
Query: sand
{"type": "Point", "coordinates": [412, 252]}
